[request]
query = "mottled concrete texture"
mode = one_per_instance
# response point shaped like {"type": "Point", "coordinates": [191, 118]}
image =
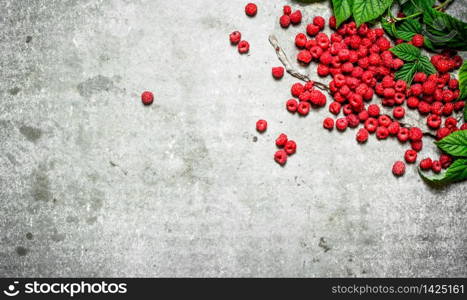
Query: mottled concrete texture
{"type": "Point", "coordinates": [92, 183]}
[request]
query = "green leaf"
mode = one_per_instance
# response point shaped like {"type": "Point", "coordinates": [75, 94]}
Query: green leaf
{"type": "Point", "coordinates": [406, 72]}
{"type": "Point", "coordinates": [342, 10]}
{"type": "Point", "coordinates": [454, 144]}
{"type": "Point", "coordinates": [368, 10]}
{"type": "Point", "coordinates": [390, 28]}
{"type": "Point", "coordinates": [406, 52]}
{"type": "Point", "coordinates": [456, 172]}
{"type": "Point", "coordinates": [424, 65]}
{"type": "Point", "coordinates": [444, 31]}
{"type": "Point", "coordinates": [411, 7]}
{"type": "Point", "coordinates": [407, 29]}
{"type": "Point", "coordinates": [463, 82]}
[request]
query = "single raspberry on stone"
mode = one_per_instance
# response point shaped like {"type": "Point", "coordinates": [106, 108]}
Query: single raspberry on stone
{"type": "Point", "coordinates": [410, 156]}
{"type": "Point", "coordinates": [332, 22]}
{"type": "Point", "coordinates": [403, 135]}
{"type": "Point", "coordinates": [296, 17]}
{"type": "Point", "coordinates": [328, 123]}
{"type": "Point", "coordinates": [418, 40]}
{"type": "Point", "coordinates": [335, 108]}
{"type": "Point", "coordinates": [251, 9]}
{"type": "Point", "coordinates": [243, 47]}
{"type": "Point", "coordinates": [373, 110]}
{"type": "Point", "coordinates": [303, 108]}
{"type": "Point", "coordinates": [287, 10]}
{"type": "Point", "coordinates": [304, 57]}
{"type": "Point", "coordinates": [278, 72]}
{"type": "Point", "coordinates": [394, 128]}
{"type": "Point", "coordinates": [384, 121]}
{"type": "Point", "coordinates": [362, 135]}
{"type": "Point", "coordinates": [426, 164]}
{"type": "Point", "coordinates": [371, 124]}
{"type": "Point", "coordinates": [290, 147]}
{"type": "Point", "coordinates": [398, 169]}
{"type": "Point", "coordinates": [445, 160]}
{"type": "Point", "coordinates": [398, 112]}
{"type": "Point", "coordinates": [436, 166]}
{"type": "Point", "coordinates": [415, 134]}
{"type": "Point", "coordinates": [353, 120]}
{"type": "Point", "coordinates": [292, 105]}
{"type": "Point", "coordinates": [261, 125]}
{"type": "Point", "coordinates": [297, 89]}
{"type": "Point", "coordinates": [147, 97]}
{"type": "Point", "coordinates": [416, 145]}
{"type": "Point", "coordinates": [312, 29]}
{"type": "Point", "coordinates": [235, 37]}
{"type": "Point", "coordinates": [434, 121]}
{"type": "Point", "coordinates": [300, 40]}
{"type": "Point", "coordinates": [341, 124]}
{"type": "Point", "coordinates": [280, 157]}
{"type": "Point", "coordinates": [281, 140]}
{"type": "Point", "coordinates": [382, 132]}
{"type": "Point", "coordinates": [319, 21]}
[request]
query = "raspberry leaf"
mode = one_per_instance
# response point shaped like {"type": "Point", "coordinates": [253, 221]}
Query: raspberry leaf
{"type": "Point", "coordinates": [454, 144]}
{"type": "Point", "coordinates": [406, 52]}
{"type": "Point", "coordinates": [407, 29]}
{"type": "Point", "coordinates": [406, 72]}
{"type": "Point", "coordinates": [368, 10]}
{"type": "Point", "coordinates": [424, 65]}
{"type": "Point", "coordinates": [443, 30]}
{"type": "Point", "coordinates": [342, 10]}
{"type": "Point", "coordinates": [410, 7]}
{"type": "Point", "coordinates": [389, 27]}
{"type": "Point", "coordinates": [456, 172]}
{"type": "Point", "coordinates": [463, 81]}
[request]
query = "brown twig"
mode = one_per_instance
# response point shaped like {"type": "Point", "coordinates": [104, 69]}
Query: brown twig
{"type": "Point", "coordinates": [290, 68]}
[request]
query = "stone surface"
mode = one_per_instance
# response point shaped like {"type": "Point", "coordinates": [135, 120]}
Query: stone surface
{"type": "Point", "coordinates": [92, 183]}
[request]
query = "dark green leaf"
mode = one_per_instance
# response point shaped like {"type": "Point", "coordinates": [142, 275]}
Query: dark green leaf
{"type": "Point", "coordinates": [406, 52]}
{"type": "Point", "coordinates": [424, 65]}
{"type": "Point", "coordinates": [463, 82]}
{"type": "Point", "coordinates": [411, 7]}
{"type": "Point", "coordinates": [444, 30]}
{"type": "Point", "coordinates": [406, 72]}
{"type": "Point", "coordinates": [454, 144]}
{"type": "Point", "coordinates": [456, 172]}
{"type": "Point", "coordinates": [390, 28]}
{"type": "Point", "coordinates": [342, 10]}
{"type": "Point", "coordinates": [368, 10]}
{"type": "Point", "coordinates": [407, 29]}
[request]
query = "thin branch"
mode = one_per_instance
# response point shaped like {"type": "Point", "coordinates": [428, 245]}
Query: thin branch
{"type": "Point", "coordinates": [290, 68]}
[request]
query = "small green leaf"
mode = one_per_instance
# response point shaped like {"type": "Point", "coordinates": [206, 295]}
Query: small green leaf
{"type": "Point", "coordinates": [342, 10]}
{"type": "Point", "coordinates": [390, 28]}
{"type": "Point", "coordinates": [407, 29]}
{"type": "Point", "coordinates": [406, 52]}
{"type": "Point", "coordinates": [456, 172]}
{"type": "Point", "coordinates": [368, 10]}
{"type": "Point", "coordinates": [406, 72]}
{"type": "Point", "coordinates": [454, 144]}
{"type": "Point", "coordinates": [424, 65]}
{"type": "Point", "coordinates": [463, 82]}
{"type": "Point", "coordinates": [443, 30]}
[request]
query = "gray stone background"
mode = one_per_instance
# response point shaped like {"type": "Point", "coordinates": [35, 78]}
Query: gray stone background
{"type": "Point", "coordinates": [92, 183]}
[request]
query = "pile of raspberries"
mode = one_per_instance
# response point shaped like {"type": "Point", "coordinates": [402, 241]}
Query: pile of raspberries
{"type": "Point", "coordinates": [361, 65]}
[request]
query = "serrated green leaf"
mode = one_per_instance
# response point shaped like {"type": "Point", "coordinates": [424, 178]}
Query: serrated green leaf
{"type": "Point", "coordinates": [443, 30]}
{"type": "Point", "coordinates": [406, 72]}
{"type": "Point", "coordinates": [368, 10]}
{"type": "Point", "coordinates": [407, 29]}
{"type": "Point", "coordinates": [406, 52]}
{"type": "Point", "coordinates": [456, 172]}
{"type": "Point", "coordinates": [342, 10]}
{"type": "Point", "coordinates": [463, 81]}
{"type": "Point", "coordinates": [454, 144]}
{"type": "Point", "coordinates": [411, 7]}
{"type": "Point", "coordinates": [390, 28]}
{"type": "Point", "coordinates": [424, 65]}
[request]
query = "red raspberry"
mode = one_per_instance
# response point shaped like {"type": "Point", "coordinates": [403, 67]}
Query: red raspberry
{"type": "Point", "coordinates": [397, 63]}
{"type": "Point", "coordinates": [332, 22]}
{"type": "Point", "coordinates": [305, 96]}
{"type": "Point", "coordinates": [296, 17]}
{"type": "Point", "coordinates": [287, 10]}
{"type": "Point", "coordinates": [318, 98]}
{"type": "Point", "coordinates": [442, 133]}
{"type": "Point", "coordinates": [429, 87]}
{"type": "Point", "coordinates": [433, 121]}
{"type": "Point", "coordinates": [243, 47]}
{"type": "Point", "coordinates": [328, 123]}
{"type": "Point", "coordinates": [319, 21]}
{"type": "Point", "coordinates": [373, 110]}
{"type": "Point", "coordinates": [459, 105]}
{"type": "Point", "coordinates": [398, 112]}
{"type": "Point", "coordinates": [297, 89]}
{"type": "Point", "coordinates": [398, 169]}
{"type": "Point", "coordinates": [374, 59]}
{"type": "Point", "coordinates": [389, 93]}
{"type": "Point", "coordinates": [463, 127]}
{"type": "Point", "coordinates": [312, 29]}
{"type": "Point", "coordinates": [383, 43]}
{"type": "Point", "coordinates": [445, 160]}
{"type": "Point", "coordinates": [416, 145]}
{"type": "Point", "coordinates": [450, 123]}
{"type": "Point", "coordinates": [426, 164]}
{"type": "Point", "coordinates": [316, 52]}
{"type": "Point", "coordinates": [352, 120]}
{"type": "Point", "coordinates": [280, 157]}
{"type": "Point", "coordinates": [303, 108]}
{"type": "Point", "coordinates": [326, 58]}
{"type": "Point", "coordinates": [448, 109]}
{"type": "Point", "coordinates": [290, 147]}
{"type": "Point", "coordinates": [235, 37]}
{"type": "Point", "coordinates": [437, 108]}
{"type": "Point", "coordinates": [363, 115]}
{"type": "Point", "coordinates": [335, 108]}
{"type": "Point", "coordinates": [403, 135]}
{"type": "Point", "coordinates": [443, 66]}
{"type": "Point", "coordinates": [251, 9]}
{"type": "Point", "coordinates": [344, 55]}
{"type": "Point", "coordinates": [284, 21]}
{"type": "Point", "coordinates": [416, 89]}
{"type": "Point", "coordinates": [278, 72]}
{"type": "Point", "coordinates": [371, 124]}
{"type": "Point", "coordinates": [147, 98]}
{"type": "Point", "coordinates": [419, 77]}
{"type": "Point", "coordinates": [323, 40]}
{"type": "Point", "coordinates": [291, 105]}
{"type": "Point", "coordinates": [394, 128]}
{"type": "Point", "coordinates": [424, 107]}
{"type": "Point", "coordinates": [347, 67]}
{"type": "Point", "coordinates": [399, 98]}
{"type": "Point", "coordinates": [322, 70]}
{"type": "Point", "coordinates": [413, 102]}
{"type": "Point", "coordinates": [304, 57]}
{"type": "Point", "coordinates": [400, 85]}
{"type": "Point", "coordinates": [448, 96]}
{"type": "Point", "coordinates": [384, 121]}
{"type": "Point", "coordinates": [382, 132]}
{"type": "Point", "coordinates": [362, 135]}
{"type": "Point", "coordinates": [261, 125]}
{"type": "Point", "coordinates": [309, 85]}
{"type": "Point", "coordinates": [453, 84]}
{"type": "Point", "coordinates": [341, 124]}
{"type": "Point", "coordinates": [418, 40]}
{"type": "Point", "coordinates": [436, 166]}
{"type": "Point", "coordinates": [300, 40]}
{"type": "Point", "coordinates": [415, 134]}
{"type": "Point", "coordinates": [410, 156]}
{"type": "Point", "coordinates": [281, 140]}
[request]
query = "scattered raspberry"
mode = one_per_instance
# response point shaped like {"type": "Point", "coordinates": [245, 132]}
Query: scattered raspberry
{"type": "Point", "coordinates": [415, 134]}
{"type": "Point", "coordinates": [442, 133]}
{"type": "Point", "coordinates": [394, 128]}
{"type": "Point", "coordinates": [281, 140]}
{"type": "Point", "coordinates": [426, 164]}
{"type": "Point", "coordinates": [373, 110]}
{"type": "Point", "coordinates": [290, 147]}
{"type": "Point", "coordinates": [403, 135]}
{"type": "Point", "coordinates": [319, 21]}
{"type": "Point", "coordinates": [304, 57]}
{"type": "Point", "coordinates": [371, 124]}
{"type": "Point", "coordinates": [332, 22]}
{"type": "Point", "coordinates": [280, 157]}
{"type": "Point", "coordinates": [243, 47]}
{"type": "Point", "coordinates": [362, 135]}
{"type": "Point", "coordinates": [147, 98]}
{"type": "Point", "coordinates": [261, 125]}
{"type": "Point", "coordinates": [341, 124]}
{"type": "Point", "coordinates": [382, 133]}
{"type": "Point", "coordinates": [278, 72]}
{"type": "Point", "coordinates": [436, 166]}
{"type": "Point", "coordinates": [328, 123]}
{"type": "Point", "coordinates": [284, 21]}
{"type": "Point", "coordinates": [418, 40]}
{"type": "Point", "coordinates": [410, 156]}
{"type": "Point", "coordinates": [292, 105]}
{"type": "Point", "coordinates": [297, 89]}
{"type": "Point", "coordinates": [416, 145]}
{"type": "Point", "coordinates": [251, 9]}
{"type": "Point", "coordinates": [296, 17]}
{"type": "Point", "coordinates": [434, 121]}
{"type": "Point", "coordinates": [312, 29]}
{"type": "Point", "coordinates": [303, 108]}
{"type": "Point", "coordinates": [235, 37]}
{"type": "Point", "coordinates": [287, 10]}
{"type": "Point", "coordinates": [398, 112]}
{"type": "Point", "coordinates": [398, 169]}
